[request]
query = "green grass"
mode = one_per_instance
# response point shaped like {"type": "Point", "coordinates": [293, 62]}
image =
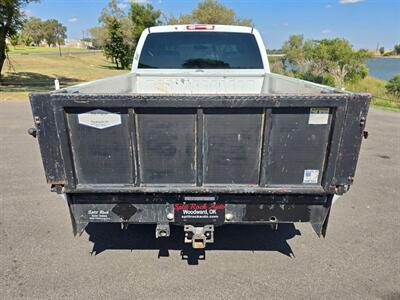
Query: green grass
{"type": "Point", "coordinates": [24, 50]}
{"type": "Point", "coordinates": [37, 73]}
{"type": "Point", "coordinates": [379, 96]}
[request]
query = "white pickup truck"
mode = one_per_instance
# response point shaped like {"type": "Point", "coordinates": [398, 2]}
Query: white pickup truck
{"type": "Point", "coordinates": [199, 134]}
{"type": "Point", "coordinates": [200, 59]}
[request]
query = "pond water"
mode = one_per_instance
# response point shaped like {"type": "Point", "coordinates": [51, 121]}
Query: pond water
{"type": "Point", "coordinates": [383, 67]}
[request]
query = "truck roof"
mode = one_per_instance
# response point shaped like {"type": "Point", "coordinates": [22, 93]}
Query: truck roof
{"type": "Point", "coordinates": [201, 27]}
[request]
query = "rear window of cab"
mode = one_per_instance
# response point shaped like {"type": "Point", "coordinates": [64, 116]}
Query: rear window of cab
{"type": "Point", "coordinates": [200, 50]}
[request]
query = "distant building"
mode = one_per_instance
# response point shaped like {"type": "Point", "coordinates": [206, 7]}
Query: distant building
{"type": "Point", "coordinates": [75, 43]}
{"type": "Point", "coordinates": [43, 43]}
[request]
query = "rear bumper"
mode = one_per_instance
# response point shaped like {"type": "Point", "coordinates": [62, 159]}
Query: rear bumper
{"type": "Point", "coordinates": [161, 209]}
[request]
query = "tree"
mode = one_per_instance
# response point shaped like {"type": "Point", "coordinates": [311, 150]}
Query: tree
{"type": "Point", "coordinates": [327, 61]}
{"type": "Point", "coordinates": [14, 39]}
{"type": "Point", "coordinates": [114, 10]}
{"type": "Point", "coordinates": [11, 20]}
{"type": "Point", "coordinates": [382, 50]}
{"type": "Point", "coordinates": [114, 47]}
{"type": "Point", "coordinates": [98, 36]}
{"type": "Point", "coordinates": [120, 33]}
{"type": "Point", "coordinates": [295, 50]}
{"type": "Point", "coordinates": [54, 32]}
{"type": "Point", "coordinates": [25, 39]}
{"type": "Point", "coordinates": [50, 31]}
{"type": "Point", "coordinates": [393, 85]}
{"type": "Point", "coordinates": [34, 28]}
{"type": "Point", "coordinates": [142, 17]}
{"type": "Point", "coordinates": [211, 12]}
{"type": "Point", "coordinates": [397, 49]}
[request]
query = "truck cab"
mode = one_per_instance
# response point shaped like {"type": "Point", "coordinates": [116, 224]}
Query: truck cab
{"type": "Point", "coordinates": [211, 59]}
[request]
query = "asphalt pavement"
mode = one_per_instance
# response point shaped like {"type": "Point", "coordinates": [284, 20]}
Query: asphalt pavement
{"type": "Point", "coordinates": [40, 258]}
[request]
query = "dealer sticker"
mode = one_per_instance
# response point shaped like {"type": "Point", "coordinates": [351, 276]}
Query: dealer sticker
{"type": "Point", "coordinates": [318, 116]}
{"type": "Point", "coordinates": [99, 215]}
{"type": "Point", "coordinates": [199, 212]}
{"type": "Point", "coordinates": [99, 119]}
{"type": "Point", "coordinates": [311, 176]}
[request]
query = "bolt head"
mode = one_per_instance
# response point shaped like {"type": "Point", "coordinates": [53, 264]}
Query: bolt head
{"type": "Point", "coordinates": [228, 217]}
{"type": "Point", "coordinates": [170, 216]}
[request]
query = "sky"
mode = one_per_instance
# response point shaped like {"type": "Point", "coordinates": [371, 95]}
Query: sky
{"type": "Point", "coordinates": [365, 23]}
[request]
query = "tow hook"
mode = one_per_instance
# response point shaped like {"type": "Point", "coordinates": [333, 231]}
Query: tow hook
{"type": "Point", "coordinates": [199, 236]}
{"type": "Point", "coordinates": [32, 132]}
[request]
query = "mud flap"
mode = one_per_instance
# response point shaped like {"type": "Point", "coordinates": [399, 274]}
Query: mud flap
{"type": "Point", "coordinates": [77, 227]}
{"type": "Point", "coordinates": [319, 217]}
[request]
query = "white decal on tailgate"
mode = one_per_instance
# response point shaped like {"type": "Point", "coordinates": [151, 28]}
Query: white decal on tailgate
{"type": "Point", "coordinates": [311, 176]}
{"type": "Point", "coordinates": [318, 116]}
{"type": "Point", "coordinates": [99, 119]}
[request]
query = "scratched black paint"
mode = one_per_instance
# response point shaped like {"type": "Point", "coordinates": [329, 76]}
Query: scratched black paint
{"type": "Point", "coordinates": [249, 149]}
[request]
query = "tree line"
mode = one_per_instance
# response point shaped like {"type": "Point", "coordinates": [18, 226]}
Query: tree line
{"type": "Point", "coordinates": [118, 32]}
{"type": "Point", "coordinates": [11, 20]}
{"type": "Point", "coordinates": [328, 61]}
{"type": "Point", "coordinates": [332, 62]}
{"type": "Point", "coordinates": [395, 51]}
{"type": "Point", "coordinates": [15, 27]}
{"type": "Point", "coordinates": [35, 32]}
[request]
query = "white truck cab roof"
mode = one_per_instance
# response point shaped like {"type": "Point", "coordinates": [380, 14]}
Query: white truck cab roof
{"type": "Point", "coordinates": [201, 27]}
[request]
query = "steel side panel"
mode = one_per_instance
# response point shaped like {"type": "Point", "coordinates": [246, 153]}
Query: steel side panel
{"type": "Point", "coordinates": [352, 136]}
{"type": "Point", "coordinates": [295, 146]}
{"type": "Point", "coordinates": [167, 143]}
{"type": "Point", "coordinates": [101, 156]}
{"type": "Point", "coordinates": [43, 109]}
{"type": "Point", "coordinates": [232, 139]}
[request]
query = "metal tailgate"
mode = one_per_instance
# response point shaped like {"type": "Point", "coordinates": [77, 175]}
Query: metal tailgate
{"type": "Point", "coordinates": [200, 144]}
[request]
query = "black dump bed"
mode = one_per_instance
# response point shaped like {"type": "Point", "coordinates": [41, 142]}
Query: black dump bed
{"type": "Point", "coordinates": [249, 144]}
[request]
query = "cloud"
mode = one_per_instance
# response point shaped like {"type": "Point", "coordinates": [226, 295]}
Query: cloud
{"type": "Point", "coordinates": [328, 6]}
{"type": "Point", "coordinates": [27, 12]}
{"type": "Point", "coordinates": [122, 5]}
{"type": "Point", "coordinates": [285, 24]}
{"type": "Point", "coordinates": [72, 20]}
{"type": "Point", "coordinates": [326, 31]}
{"type": "Point", "coordinates": [138, 1]}
{"type": "Point", "coordinates": [349, 1]}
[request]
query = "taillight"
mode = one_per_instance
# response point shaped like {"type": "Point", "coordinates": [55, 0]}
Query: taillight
{"type": "Point", "coordinates": [200, 27]}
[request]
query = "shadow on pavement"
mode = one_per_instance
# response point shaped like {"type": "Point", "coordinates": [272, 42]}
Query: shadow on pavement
{"type": "Point", "coordinates": [33, 82]}
{"type": "Point", "coordinates": [109, 236]}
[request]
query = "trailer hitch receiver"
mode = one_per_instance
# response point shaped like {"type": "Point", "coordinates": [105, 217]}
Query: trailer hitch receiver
{"type": "Point", "coordinates": [199, 236]}
{"type": "Point", "coordinates": [162, 230]}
